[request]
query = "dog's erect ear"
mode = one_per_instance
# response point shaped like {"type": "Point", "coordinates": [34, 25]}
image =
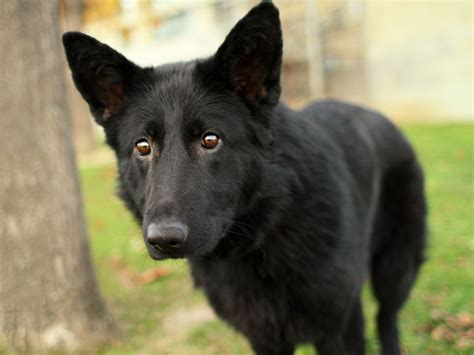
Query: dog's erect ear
{"type": "Point", "coordinates": [250, 57]}
{"type": "Point", "coordinates": [101, 74]}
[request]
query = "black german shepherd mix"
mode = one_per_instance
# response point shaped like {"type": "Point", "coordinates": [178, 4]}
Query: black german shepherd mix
{"type": "Point", "coordinates": [282, 215]}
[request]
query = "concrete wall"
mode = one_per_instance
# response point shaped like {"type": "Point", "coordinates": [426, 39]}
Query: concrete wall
{"type": "Point", "coordinates": [419, 56]}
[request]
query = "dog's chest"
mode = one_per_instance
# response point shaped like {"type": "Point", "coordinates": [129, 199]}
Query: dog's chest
{"type": "Point", "coordinates": [249, 299]}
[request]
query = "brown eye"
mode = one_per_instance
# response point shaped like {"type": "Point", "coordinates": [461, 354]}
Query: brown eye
{"type": "Point", "coordinates": [143, 147]}
{"type": "Point", "coordinates": [209, 140]}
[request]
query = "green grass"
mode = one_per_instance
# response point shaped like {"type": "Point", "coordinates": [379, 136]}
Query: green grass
{"type": "Point", "coordinates": [169, 317]}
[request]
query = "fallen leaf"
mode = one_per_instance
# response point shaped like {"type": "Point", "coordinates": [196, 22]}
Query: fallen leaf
{"type": "Point", "coordinates": [130, 278]}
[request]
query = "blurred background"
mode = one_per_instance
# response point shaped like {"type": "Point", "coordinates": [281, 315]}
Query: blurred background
{"type": "Point", "coordinates": [410, 59]}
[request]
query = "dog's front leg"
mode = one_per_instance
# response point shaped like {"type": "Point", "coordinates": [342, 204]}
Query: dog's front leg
{"type": "Point", "coordinates": [330, 345]}
{"type": "Point", "coordinates": [271, 348]}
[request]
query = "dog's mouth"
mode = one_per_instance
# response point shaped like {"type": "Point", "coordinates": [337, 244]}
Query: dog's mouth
{"type": "Point", "coordinates": [157, 254]}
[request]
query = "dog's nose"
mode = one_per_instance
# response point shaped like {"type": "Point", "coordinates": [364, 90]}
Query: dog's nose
{"type": "Point", "coordinates": [167, 237]}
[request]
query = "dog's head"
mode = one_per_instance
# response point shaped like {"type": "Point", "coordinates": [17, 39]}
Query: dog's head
{"type": "Point", "coordinates": [190, 138]}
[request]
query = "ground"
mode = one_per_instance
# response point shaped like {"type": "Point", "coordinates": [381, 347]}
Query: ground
{"type": "Point", "coordinates": [158, 310]}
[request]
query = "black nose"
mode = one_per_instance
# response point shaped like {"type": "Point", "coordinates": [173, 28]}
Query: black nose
{"type": "Point", "coordinates": [167, 237]}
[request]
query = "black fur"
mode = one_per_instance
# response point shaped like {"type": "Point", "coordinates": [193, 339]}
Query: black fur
{"type": "Point", "coordinates": [292, 211]}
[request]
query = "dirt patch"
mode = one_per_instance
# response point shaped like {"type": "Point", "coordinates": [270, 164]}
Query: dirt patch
{"type": "Point", "coordinates": [176, 327]}
{"type": "Point", "coordinates": [185, 320]}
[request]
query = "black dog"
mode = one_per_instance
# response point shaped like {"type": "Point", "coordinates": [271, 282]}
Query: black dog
{"type": "Point", "coordinates": [282, 214]}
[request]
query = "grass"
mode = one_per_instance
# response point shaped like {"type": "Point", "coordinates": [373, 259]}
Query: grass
{"type": "Point", "coordinates": [170, 317]}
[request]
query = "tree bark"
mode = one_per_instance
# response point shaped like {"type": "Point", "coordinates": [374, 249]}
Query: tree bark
{"type": "Point", "coordinates": [49, 297]}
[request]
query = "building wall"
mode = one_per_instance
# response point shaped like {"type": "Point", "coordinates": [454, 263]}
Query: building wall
{"type": "Point", "coordinates": [419, 58]}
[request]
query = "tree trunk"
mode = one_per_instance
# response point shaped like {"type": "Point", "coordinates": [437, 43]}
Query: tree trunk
{"type": "Point", "coordinates": [49, 298]}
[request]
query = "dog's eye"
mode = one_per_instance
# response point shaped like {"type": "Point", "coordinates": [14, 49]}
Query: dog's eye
{"type": "Point", "coordinates": [142, 147]}
{"type": "Point", "coordinates": [209, 140]}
